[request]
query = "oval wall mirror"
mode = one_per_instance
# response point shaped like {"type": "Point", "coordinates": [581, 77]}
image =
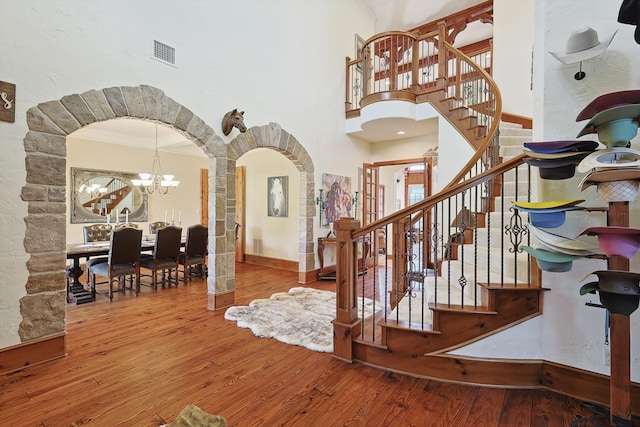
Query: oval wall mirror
{"type": "Point", "coordinates": [96, 193]}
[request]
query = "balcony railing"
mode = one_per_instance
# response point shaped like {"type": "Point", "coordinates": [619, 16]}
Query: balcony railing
{"type": "Point", "coordinates": [425, 68]}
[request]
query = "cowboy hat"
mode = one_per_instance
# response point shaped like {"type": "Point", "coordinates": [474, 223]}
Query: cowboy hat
{"type": "Point", "coordinates": [556, 262]}
{"type": "Point", "coordinates": [624, 304]}
{"type": "Point", "coordinates": [563, 244]}
{"type": "Point", "coordinates": [608, 100]}
{"type": "Point", "coordinates": [613, 240]}
{"type": "Point", "coordinates": [630, 14]}
{"type": "Point", "coordinates": [550, 147]}
{"type": "Point", "coordinates": [615, 184]}
{"type": "Point", "coordinates": [560, 155]}
{"type": "Point", "coordinates": [557, 169]}
{"type": "Point", "coordinates": [549, 218]}
{"type": "Point", "coordinates": [547, 205]}
{"type": "Point", "coordinates": [616, 157]}
{"type": "Point", "coordinates": [581, 45]}
{"type": "Point", "coordinates": [615, 126]}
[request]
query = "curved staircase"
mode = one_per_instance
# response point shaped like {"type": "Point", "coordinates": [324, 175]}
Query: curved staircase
{"type": "Point", "coordinates": [479, 282]}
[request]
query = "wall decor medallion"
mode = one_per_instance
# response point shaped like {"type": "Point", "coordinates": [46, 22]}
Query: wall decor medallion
{"type": "Point", "coordinates": [7, 102]}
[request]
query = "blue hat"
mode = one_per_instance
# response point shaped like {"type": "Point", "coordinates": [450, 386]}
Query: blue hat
{"type": "Point", "coordinates": [549, 218]}
{"type": "Point", "coordinates": [616, 126]}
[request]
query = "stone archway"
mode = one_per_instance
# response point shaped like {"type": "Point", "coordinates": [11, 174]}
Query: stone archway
{"type": "Point", "coordinates": [49, 123]}
{"type": "Point", "coordinates": [274, 137]}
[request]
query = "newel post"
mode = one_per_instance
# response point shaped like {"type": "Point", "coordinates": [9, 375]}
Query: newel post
{"type": "Point", "coordinates": [346, 325]}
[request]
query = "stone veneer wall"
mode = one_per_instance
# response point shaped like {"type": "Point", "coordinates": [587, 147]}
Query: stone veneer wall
{"type": "Point", "coordinates": [274, 137]}
{"type": "Point", "coordinates": [43, 308]}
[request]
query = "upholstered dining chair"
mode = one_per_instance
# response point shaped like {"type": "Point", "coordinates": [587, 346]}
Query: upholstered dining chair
{"type": "Point", "coordinates": [154, 226]}
{"type": "Point", "coordinates": [123, 260]}
{"type": "Point", "coordinates": [95, 233]}
{"type": "Point", "coordinates": [126, 225]}
{"type": "Point", "coordinates": [195, 251]}
{"type": "Point", "coordinates": [165, 255]}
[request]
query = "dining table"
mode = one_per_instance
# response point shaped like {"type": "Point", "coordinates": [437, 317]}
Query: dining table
{"type": "Point", "coordinates": [76, 292]}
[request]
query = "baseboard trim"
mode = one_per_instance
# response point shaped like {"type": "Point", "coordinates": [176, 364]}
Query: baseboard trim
{"type": "Point", "coordinates": [32, 352]}
{"type": "Point", "coordinates": [219, 301]}
{"type": "Point", "coordinates": [305, 277]}
{"type": "Point", "coordinates": [280, 264]}
{"type": "Point", "coordinates": [578, 383]}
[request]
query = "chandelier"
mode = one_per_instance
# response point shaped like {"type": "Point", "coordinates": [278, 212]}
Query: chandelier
{"type": "Point", "coordinates": [155, 181]}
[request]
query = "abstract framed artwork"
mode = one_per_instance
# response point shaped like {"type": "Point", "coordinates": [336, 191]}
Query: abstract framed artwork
{"type": "Point", "coordinates": [278, 196]}
{"type": "Point", "coordinates": [338, 199]}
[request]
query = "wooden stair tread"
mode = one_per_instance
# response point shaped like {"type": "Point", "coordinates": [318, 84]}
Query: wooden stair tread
{"type": "Point", "coordinates": [457, 308]}
{"type": "Point", "coordinates": [511, 287]}
{"type": "Point", "coordinates": [413, 326]}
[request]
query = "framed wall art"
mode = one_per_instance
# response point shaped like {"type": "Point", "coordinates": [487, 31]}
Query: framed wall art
{"type": "Point", "coordinates": [338, 199]}
{"type": "Point", "coordinates": [278, 196]}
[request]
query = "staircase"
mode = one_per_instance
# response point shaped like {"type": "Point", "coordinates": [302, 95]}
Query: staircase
{"type": "Point", "coordinates": [482, 284]}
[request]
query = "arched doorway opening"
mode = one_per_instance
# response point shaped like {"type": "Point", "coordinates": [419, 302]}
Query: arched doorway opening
{"type": "Point", "coordinates": [43, 308]}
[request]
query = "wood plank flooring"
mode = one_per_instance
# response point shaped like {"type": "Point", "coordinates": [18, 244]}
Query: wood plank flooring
{"type": "Point", "coordinates": [139, 360]}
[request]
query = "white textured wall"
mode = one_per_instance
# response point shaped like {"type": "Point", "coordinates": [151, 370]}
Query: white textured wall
{"type": "Point", "coordinates": [280, 236]}
{"type": "Point", "coordinates": [569, 332]}
{"type": "Point", "coordinates": [512, 47]}
{"type": "Point", "coordinates": [279, 61]}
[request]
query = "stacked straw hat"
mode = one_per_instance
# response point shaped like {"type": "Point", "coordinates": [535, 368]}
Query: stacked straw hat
{"type": "Point", "coordinates": [557, 160]}
{"type": "Point", "coordinates": [551, 214]}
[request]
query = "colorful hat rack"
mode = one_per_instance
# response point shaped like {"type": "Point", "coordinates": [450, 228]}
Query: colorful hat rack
{"type": "Point", "coordinates": [615, 171]}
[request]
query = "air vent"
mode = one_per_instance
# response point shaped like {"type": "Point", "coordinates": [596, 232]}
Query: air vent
{"type": "Point", "coordinates": [164, 52]}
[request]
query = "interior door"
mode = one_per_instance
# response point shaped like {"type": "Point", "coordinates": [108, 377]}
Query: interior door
{"type": "Point", "coordinates": [204, 196]}
{"type": "Point", "coordinates": [370, 190]}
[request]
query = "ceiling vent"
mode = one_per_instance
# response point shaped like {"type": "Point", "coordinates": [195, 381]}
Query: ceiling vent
{"type": "Point", "coordinates": [164, 52]}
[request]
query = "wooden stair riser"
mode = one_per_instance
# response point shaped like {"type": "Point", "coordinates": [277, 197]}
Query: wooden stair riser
{"type": "Point", "coordinates": [455, 327]}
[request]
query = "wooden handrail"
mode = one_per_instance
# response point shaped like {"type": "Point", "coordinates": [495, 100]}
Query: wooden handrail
{"type": "Point", "coordinates": [443, 195]}
{"type": "Point", "coordinates": [496, 117]}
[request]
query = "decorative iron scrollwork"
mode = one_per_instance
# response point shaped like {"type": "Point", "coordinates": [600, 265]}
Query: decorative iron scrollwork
{"type": "Point", "coordinates": [516, 230]}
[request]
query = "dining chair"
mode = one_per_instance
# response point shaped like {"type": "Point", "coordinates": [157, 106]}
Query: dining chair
{"type": "Point", "coordinates": [123, 260]}
{"type": "Point", "coordinates": [126, 225]}
{"type": "Point", "coordinates": [154, 226]}
{"type": "Point", "coordinates": [165, 255]}
{"type": "Point", "coordinates": [95, 233]}
{"type": "Point", "coordinates": [195, 251]}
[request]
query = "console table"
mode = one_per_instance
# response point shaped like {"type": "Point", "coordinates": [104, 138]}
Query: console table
{"type": "Point", "coordinates": [329, 272]}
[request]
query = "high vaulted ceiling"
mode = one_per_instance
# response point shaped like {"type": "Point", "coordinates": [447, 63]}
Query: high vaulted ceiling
{"type": "Point", "coordinates": [391, 15]}
{"type": "Point", "coordinates": [406, 14]}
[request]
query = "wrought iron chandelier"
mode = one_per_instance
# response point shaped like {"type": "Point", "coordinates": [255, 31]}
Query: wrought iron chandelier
{"type": "Point", "coordinates": [155, 181]}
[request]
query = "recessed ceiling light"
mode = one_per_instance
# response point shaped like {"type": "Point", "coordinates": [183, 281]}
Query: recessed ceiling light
{"type": "Point", "coordinates": [401, 132]}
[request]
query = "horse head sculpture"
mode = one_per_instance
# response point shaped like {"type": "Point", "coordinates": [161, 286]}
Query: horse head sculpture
{"type": "Point", "coordinates": [233, 118]}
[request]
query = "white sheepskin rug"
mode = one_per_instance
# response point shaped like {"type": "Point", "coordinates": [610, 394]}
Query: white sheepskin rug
{"type": "Point", "coordinates": [301, 317]}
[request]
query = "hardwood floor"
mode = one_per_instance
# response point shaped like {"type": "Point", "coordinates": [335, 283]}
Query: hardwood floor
{"type": "Point", "coordinates": [139, 360]}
